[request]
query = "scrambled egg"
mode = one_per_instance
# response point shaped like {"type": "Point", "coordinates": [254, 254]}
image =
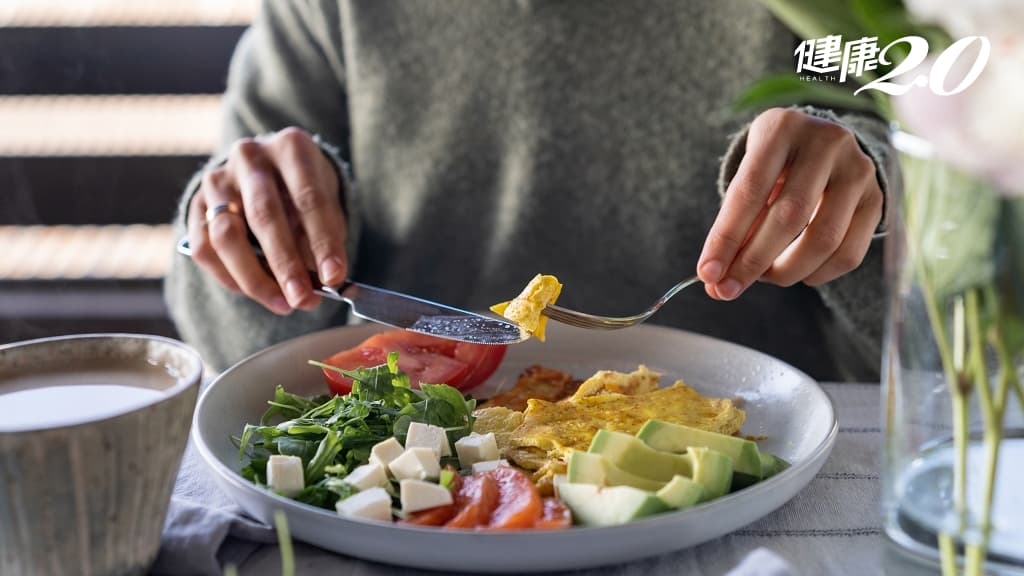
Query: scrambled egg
{"type": "Point", "coordinates": [525, 309]}
{"type": "Point", "coordinates": [541, 438]}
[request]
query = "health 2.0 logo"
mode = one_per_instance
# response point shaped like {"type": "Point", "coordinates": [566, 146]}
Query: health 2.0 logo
{"type": "Point", "coordinates": [831, 59]}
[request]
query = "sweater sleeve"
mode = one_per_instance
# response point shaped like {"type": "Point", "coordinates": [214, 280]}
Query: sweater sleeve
{"type": "Point", "coordinates": [856, 300]}
{"type": "Point", "coordinates": [287, 70]}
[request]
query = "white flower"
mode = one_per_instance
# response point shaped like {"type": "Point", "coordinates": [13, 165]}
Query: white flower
{"type": "Point", "coordinates": [996, 19]}
{"type": "Point", "coordinates": [982, 128]}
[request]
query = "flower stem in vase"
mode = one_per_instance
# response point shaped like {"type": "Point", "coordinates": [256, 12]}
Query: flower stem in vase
{"type": "Point", "coordinates": [975, 551]}
{"type": "Point", "coordinates": [961, 389]}
{"type": "Point", "coordinates": [994, 411]}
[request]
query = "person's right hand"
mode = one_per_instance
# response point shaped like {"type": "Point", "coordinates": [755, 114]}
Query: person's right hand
{"type": "Point", "coordinates": [287, 193]}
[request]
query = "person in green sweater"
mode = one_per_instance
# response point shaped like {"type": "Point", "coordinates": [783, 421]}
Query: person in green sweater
{"type": "Point", "coordinates": [452, 149]}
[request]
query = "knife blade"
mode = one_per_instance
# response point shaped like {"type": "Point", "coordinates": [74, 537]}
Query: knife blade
{"type": "Point", "coordinates": [411, 313]}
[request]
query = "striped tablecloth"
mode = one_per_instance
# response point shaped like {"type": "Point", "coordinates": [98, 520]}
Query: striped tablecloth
{"type": "Point", "coordinates": [832, 527]}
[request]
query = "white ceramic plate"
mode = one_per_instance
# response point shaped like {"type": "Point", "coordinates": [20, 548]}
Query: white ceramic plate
{"type": "Point", "coordinates": [781, 402]}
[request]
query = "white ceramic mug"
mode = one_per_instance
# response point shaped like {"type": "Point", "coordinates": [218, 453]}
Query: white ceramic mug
{"type": "Point", "coordinates": [85, 483]}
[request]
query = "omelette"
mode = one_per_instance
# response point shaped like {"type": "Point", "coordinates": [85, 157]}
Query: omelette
{"type": "Point", "coordinates": [540, 438]}
{"type": "Point", "coordinates": [526, 308]}
{"type": "Point", "coordinates": [535, 382]}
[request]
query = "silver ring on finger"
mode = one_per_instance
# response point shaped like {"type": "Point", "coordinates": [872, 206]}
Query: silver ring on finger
{"type": "Point", "coordinates": [225, 207]}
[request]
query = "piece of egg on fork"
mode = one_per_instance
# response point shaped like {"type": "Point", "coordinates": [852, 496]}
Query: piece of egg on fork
{"type": "Point", "coordinates": [526, 308]}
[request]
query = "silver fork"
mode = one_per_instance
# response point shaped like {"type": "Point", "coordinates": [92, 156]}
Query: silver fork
{"type": "Point", "coordinates": [584, 320]}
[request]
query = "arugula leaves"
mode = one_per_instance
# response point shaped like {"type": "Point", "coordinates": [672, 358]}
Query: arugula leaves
{"type": "Point", "coordinates": [334, 434]}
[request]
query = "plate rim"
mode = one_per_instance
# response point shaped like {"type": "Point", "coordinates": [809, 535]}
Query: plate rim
{"type": "Point", "coordinates": [752, 492]}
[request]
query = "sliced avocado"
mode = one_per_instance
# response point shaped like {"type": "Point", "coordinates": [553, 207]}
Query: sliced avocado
{"type": "Point", "coordinates": [772, 464]}
{"type": "Point", "coordinates": [711, 469]}
{"type": "Point", "coordinates": [557, 481]}
{"type": "Point", "coordinates": [669, 437]}
{"type": "Point", "coordinates": [741, 481]}
{"type": "Point", "coordinates": [681, 492]}
{"type": "Point", "coordinates": [590, 468]}
{"type": "Point", "coordinates": [595, 505]}
{"type": "Point", "coordinates": [635, 457]}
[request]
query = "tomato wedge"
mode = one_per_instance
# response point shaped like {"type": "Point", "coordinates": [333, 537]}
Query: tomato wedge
{"type": "Point", "coordinates": [555, 516]}
{"type": "Point", "coordinates": [483, 360]}
{"type": "Point", "coordinates": [432, 516]}
{"type": "Point", "coordinates": [519, 504]}
{"type": "Point", "coordinates": [476, 500]}
{"type": "Point", "coordinates": [424, 358]}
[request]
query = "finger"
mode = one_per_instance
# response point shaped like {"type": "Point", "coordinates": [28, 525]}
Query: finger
{"type": "Point", "coordinates": [203, 253]}
{"type": "Point", "coordinates": [229, 238]}
{"type": "Point", "coordinates": [855, 245]}
{"type": "Point", "coordinates": [820, 239]}
{"type": "Point", "coordinates": [712, 289]}
{"type": "Point", "coordinates": [784, 220]}
{"type": "Point", "coordinates": [266, 218]}
{"type": "Point", "coordinates": [308, 263]}
{"type": "Point", "coordinates": [767, 153]}
{"type": "Point", "coordinates": [314, 193]}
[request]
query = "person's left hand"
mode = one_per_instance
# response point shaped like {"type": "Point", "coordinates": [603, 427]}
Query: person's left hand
{"type": "Point", "coordinates": [803, 207]}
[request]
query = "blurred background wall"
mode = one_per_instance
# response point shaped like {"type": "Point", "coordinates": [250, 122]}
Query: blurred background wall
{"type": "Point", "coordinates": [106, 108]}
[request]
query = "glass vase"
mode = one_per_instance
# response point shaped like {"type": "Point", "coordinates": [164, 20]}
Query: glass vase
{"type": "Point", "coordinates": [953, 464]}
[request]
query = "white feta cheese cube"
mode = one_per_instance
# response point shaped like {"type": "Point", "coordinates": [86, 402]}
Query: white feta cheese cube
{"type": "Point", "coordinates": [476, 448]}
{"type": "Point", "coordinates": [419, 495]}
{"type": "Point", "coordinates": [425, 435]}
{"type": "Point", "coordinates": [384, 452]}
{"type": "Point", "coordinates": [488, 465]}
{"type": "Point", "coordinates": [416, 463]}
{"type": "Point", "coordinates": [367, 476]}
{"type": "Point", "coordinates": [285, 475]}
{"type": "Point", "coordinates": [372, 504]}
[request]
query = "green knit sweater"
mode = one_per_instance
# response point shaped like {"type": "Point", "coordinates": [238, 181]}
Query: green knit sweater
{"type": "Point", "coordinates": [492, 140]}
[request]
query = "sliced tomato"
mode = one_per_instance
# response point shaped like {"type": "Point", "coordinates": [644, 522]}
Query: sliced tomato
{"type": "Point", "coordinates": [519, 504]}
{"type": "Point", "coordinates": [424, 358]}
{"type": "Point", "coordinates": [476, 500]}
{"type": "Point", "coordinates": [556, 516]}
{"type": "Point", "coordinates": [483, 360]}
{"type": "Point", "coordinates": [432, 516]}
{"type": "Point", "coordinates": [350, 360]}
{"type": "Point", "coordinates": [403, 340]}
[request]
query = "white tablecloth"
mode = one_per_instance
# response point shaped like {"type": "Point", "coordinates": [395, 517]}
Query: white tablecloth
{"type": "Point", "coordinates": [832, 527]}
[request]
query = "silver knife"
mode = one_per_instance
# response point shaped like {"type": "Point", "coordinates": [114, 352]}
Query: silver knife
{"type": "Point", "coordinates": [411, 313]}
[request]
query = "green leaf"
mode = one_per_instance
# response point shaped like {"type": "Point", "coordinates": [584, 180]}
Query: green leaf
{"type": "Point", "coordinates": [788, 89]}
{"type": "Point", "coordinates": [886, 19]}
{"type": "Point", "coordinates": [449, 396]}
{"type": "Point", "coordinates": [816, 19]}
{"type": "Point", "coordinates": [336, 470]}
{"type": "Point", "coordinates": [328, 448]}
{"type": "Point", "coordinates": [246, 437]}
{"type": "Point", "coordinates": [286, 404]}
{"type": "Point", "coordinates": [255, 471]}
{"type": "Point", "coordinates": [338, 487]}
{"type": "Point", "coordinates": [304, 449]}
{"type": "Point", "coordinates": [951, 225]}
{"type": "Point", "coordinates": [401, 427]}
{"type": "Point", "coordinates": [328, 406]}
{"type": "Point", "coordinates": [1010, 273]}
{"type": "Point", "coordinates": [393, 362]}
{"type": "Point", "coordinates": [312, 428]}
